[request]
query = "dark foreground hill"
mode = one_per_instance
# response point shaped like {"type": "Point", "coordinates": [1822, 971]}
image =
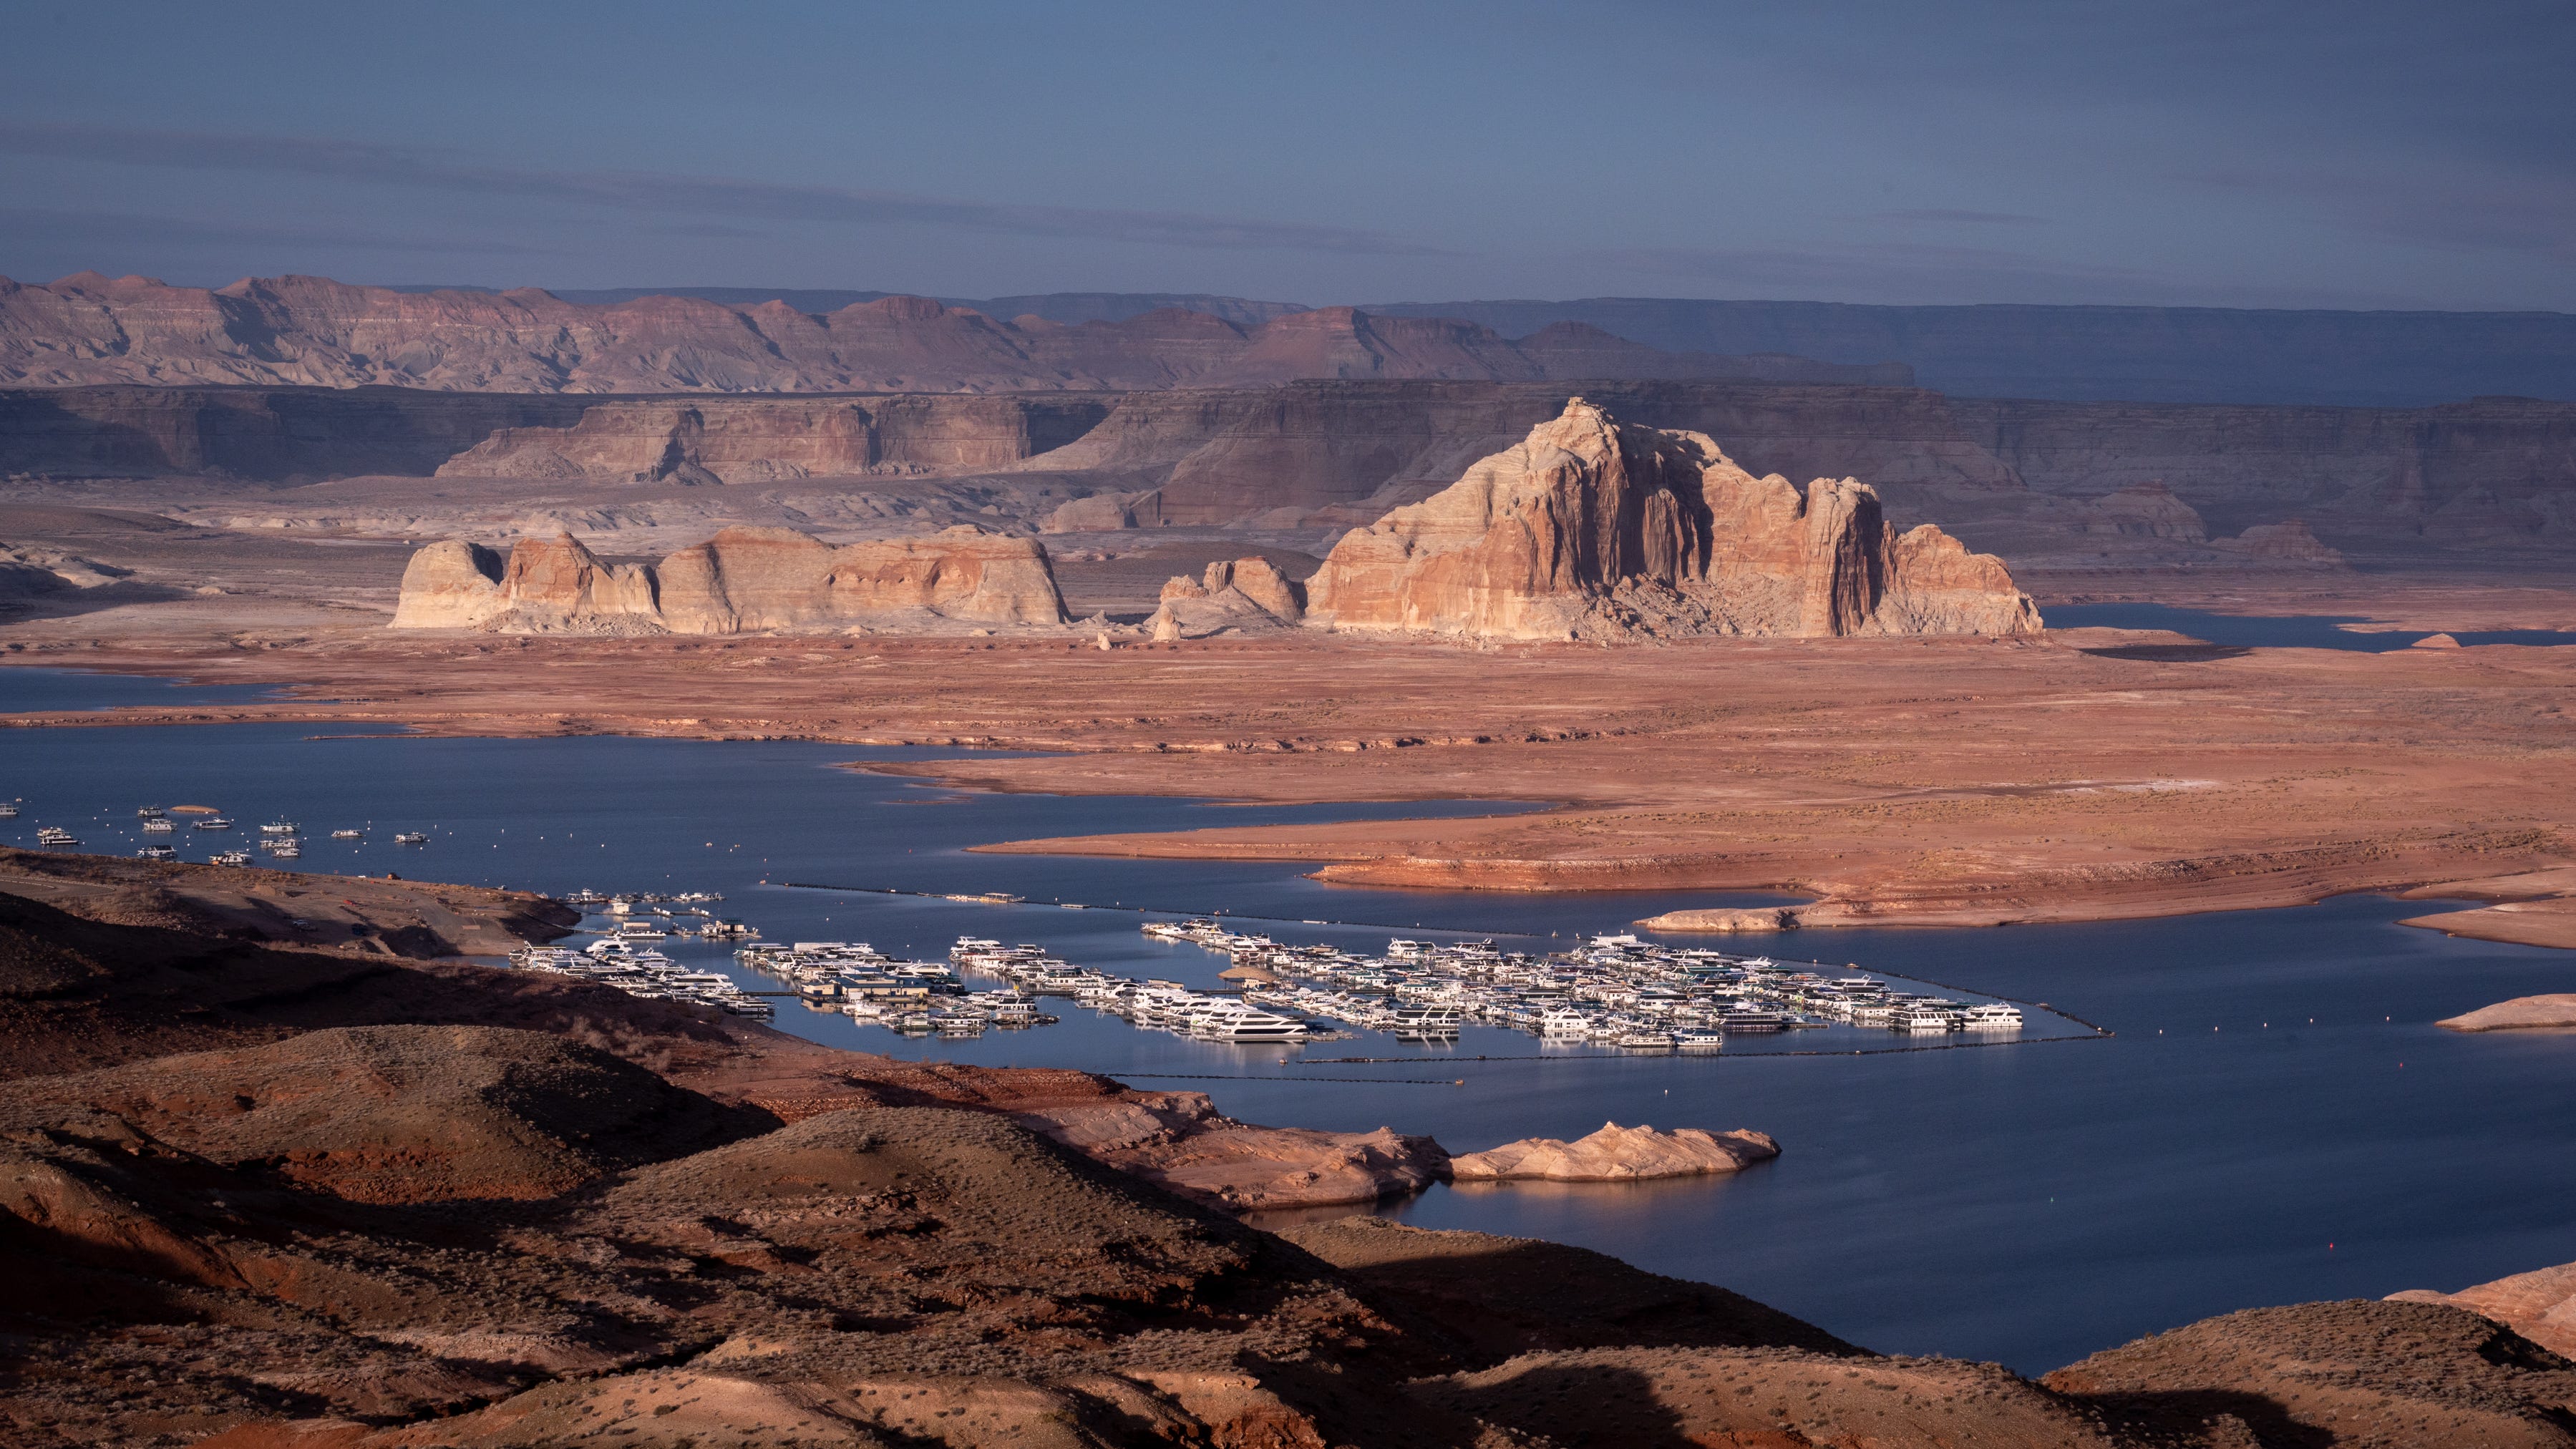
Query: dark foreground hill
{"type": "Point", "coordinates": [322, 1226]}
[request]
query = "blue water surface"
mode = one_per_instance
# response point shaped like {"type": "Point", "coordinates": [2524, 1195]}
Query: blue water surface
{"type": "Point", "coordinates": [2276, 1119]}
{"type": "Point", "coordinates": [2288, 631]}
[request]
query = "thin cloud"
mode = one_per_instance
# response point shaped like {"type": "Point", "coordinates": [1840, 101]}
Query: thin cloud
{"type": "Point", "coordinates": [646, 191]}
{"type": "Point", "coordinates": [1951, 274]}
{"type": "Point", "coordinates": [120, 228]}
{"type": "Point", "coordinates": [2526, 215]}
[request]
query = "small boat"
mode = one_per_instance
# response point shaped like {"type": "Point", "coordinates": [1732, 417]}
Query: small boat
{"type": "Point", "coordinates": [346, 834]}
{"type": "Point", "coordinates": [159, 826]}
{"type": "Point", "coordinates": [157, 852]}
{"type": "Point", "coordinates": [412, 837]}
{"type": "Point", "coordinates": [55, 835]}
{"type": "Point", "coordinates": [211, 822]}
{"type": "Point", "coordinates": [150, 812]}
{"type": "Point", "coordinates": [8, 810]}
{"type": "Point", "coordinates": [281, 827]}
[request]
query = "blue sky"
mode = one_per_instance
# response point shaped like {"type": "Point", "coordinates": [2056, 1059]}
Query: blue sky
{"type": "Point", "coordinates": [2348, 155]}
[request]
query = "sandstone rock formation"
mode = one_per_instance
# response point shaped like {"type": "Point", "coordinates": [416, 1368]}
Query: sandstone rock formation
{"type": "Point", "coordinates": [2289, 539]}
{"type": "Point", "coordinates": [1617, 1154]}
{"type": "Point", "coordinates": [88, 329]}
{"type": "Point", "coordinates": [451, 584]}
{"type": "Point", "coordinates": [555, 585]}
{"type": "Point", "coordinates": [1106, 512]}
{"type": "Point", "coordinates": [29, 574]}
{"type": "Point", "coordinates": [2146, 510]}
{"type": "Point", "coordinates": [2539, 1305]}
{"type": "Point", "coordinates": [744, 580]}
{"type": "Point", "coordinates": [2521, 1013]}
{"type": "Point", "coordinates": [2435, 641]}
{"type": "Point", "coordinates": [1594, 529]}
{"type": "Point", "coordinates": [1179, 1140]}
{"type": "Point", "coordinates": [1765, 918]}
{"type": "Point", "coordinates": [1248, 594]}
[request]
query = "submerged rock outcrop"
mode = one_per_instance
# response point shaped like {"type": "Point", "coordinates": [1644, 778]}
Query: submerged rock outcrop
{"type": "Point", "coordinates": [743, 580]}
{"type": "Point", "coordinates": [1594, 529]}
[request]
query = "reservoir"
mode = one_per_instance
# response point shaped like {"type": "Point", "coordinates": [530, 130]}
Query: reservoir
{"type": "Point", "coordinates": [2275, 1120]}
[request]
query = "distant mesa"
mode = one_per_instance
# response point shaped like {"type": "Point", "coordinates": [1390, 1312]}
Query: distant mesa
{"type": "Point", "coordinates": [1617, 1154]}
{"type": "Point", "coordinates": [744, 580]}
{"type": "Point", "coordinates": [2289, 540]}
{"type": "Point", "coordinates": [1594, 529]}
{"type": "Point", "coordinates": [2146, 510]}
{"type": "Point", "coordinates": [312, 331]}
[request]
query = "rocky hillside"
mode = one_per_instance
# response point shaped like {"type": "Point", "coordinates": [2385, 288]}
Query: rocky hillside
{"type": "Point", "coordinates": [90, 329]}
{"type": "Point", "coordinates": [296, 1204]}
{"type": "Point", "coordinates": [1594, 529]}
{"type": "Point", "coordinates": [742, 580]}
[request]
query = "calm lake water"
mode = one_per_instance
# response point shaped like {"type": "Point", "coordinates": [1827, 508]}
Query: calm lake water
{"type": "Point", "coordinates": [2290, 631]}
{"type": "Point", "coordinates": [2276, 1120]}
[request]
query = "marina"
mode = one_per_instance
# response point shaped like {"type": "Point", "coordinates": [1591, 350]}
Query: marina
{"type": "Point", "coordinates": [2091, 1160]}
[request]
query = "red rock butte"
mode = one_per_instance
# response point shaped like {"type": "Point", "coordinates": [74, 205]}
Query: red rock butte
{"type": "Point", "coordinates": [1595, 529]}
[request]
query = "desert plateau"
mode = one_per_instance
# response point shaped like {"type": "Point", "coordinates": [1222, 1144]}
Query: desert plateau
{"type": "Point", "coordinates": [834, 728]}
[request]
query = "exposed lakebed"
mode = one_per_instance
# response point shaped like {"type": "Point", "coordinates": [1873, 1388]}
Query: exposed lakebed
{"type": "Point", "coordinates": [2028, 1204]}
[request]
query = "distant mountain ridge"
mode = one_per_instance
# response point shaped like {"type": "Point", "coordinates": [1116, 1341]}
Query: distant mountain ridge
{"type": "Point", "coordinates": [89, 329]}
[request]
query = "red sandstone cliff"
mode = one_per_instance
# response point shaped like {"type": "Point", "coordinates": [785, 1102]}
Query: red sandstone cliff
{"type": "Point", "coordinates": [1590, 528]}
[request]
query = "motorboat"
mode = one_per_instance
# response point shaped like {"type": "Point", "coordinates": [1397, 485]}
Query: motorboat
{"type": "Point", "coordinates": [281, 827]}
{"type": "Point", "coordinates": [211, 822]}
{"type": "Point", "coordinates": [411, 837]}
{"type": "Point", "coordinates": [157, 852]}
{"type": "Point", "coordinates": [230, 857]}
{"type": "Point", "coordinates": [347, 834]}
{"type": "Point", "coordinates": [151, 812]}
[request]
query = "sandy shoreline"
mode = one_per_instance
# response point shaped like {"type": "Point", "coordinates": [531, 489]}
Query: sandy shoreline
{"type": "Point", "coordinates": [1949, 781]}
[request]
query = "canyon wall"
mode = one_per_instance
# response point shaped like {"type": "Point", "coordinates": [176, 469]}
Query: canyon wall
{"type": "Point", "coordinates": [265, 434]}
{"type": "Point", "coordinates": [2088, 354]}
{"type": "Point", "coordinates": [1231, 456]}
{"type": "Point", "coordinates": [1594, 529]}
{"type": "Point", "coordinates": [743, 580]}
{"type": "Point", "coordinates": [2496, 469]}
{"type": "Point", "coordinates": [748, 440]}
{"type": "Point", "coordinates": [312, 331]}
{"type": "Point", "coordinates": [2490, 477]}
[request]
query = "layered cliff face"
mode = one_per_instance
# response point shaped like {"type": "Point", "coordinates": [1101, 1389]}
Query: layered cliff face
{"type": "Point", "coordinates": [1590, 528]}
{"type": "Point", "coordinates": [89, 329]}
{"type": "Point", "coordinates": [744, 440]}
{"type": "Point", "coordinates": [744, 580]}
